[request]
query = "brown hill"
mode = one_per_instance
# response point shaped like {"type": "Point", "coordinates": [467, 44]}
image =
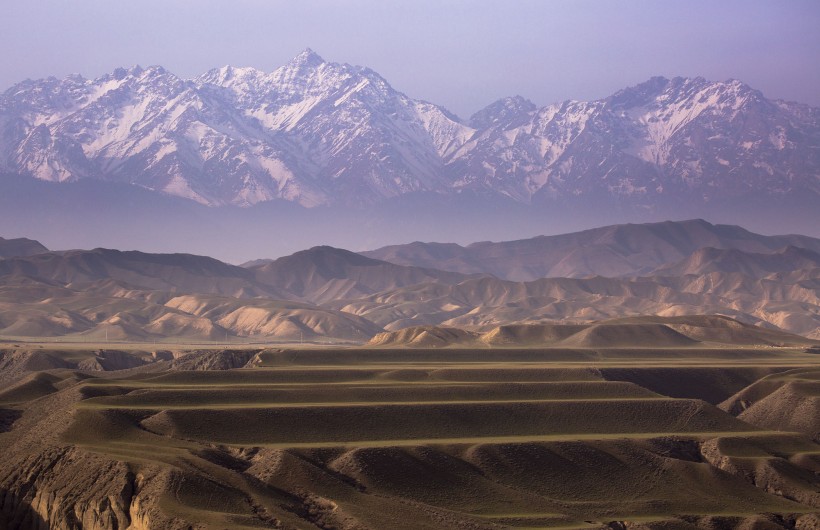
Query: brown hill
{"type": "Point", "coordinates": [164, 272]}
{"type": "Point", "coordinates": [530, 334]}
{"type": "Point", "coordinates": [99, 311]}
{"type": "Point", "coordinates": [21, 246]}
{"type": "Point", "coordinates": [474, 438]}
{"type": "Point", "coordinates": [790, 301]}
{"type": "Point", "coordinates": [755, 265]}
{"type": "Point", "coordinates": [627, 335]}
{"type": "Point", "coordinates": [15, 363]}
{"type": "Point", "coordinates": [47, 307]}
{"type": "Point", "coordinates": [788, 402]}
{"type": "Point", "coordinates": [722, 329]}
{"type": "Point", "coordinates": [323, 274]}
{"type": "Point", "coordinates": [425, 337]}
{"type": "Point", "coordinates": [638, 332]}
{"type": "Point", "coordinates": [275, 318]}
{"type": "Point", "coordinates": [213, 360]}
{"type": "Point", "coordinates": [618, 250]}
{"type": "Point", "coordinates": [125, 295]}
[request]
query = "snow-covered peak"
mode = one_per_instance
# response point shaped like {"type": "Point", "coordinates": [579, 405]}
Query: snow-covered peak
{"type": "Point", "coordinates": [156, 70]}
{"type": "Point", "coordinates": [229, 75]}
{"type": "Point", "coordinates": [318, 132]}
{"type": "Point", "coordinates": [307, 82]}
{"type": "Point", "coordinates": [136, 77]}
{"type": "Point", "coordinates": [665, 106]}
{"type": "Point", "coordinates": [122, 72]}
{"type": "Point", "coordinates": [641, 94]}
{"type": "Point", "coordinates": [307, 57]}
{"type": "Point", "coordinates": [505, 112]}
{"type": "Point", "coordinates": [660, 91]}
{"type": "Point", "coordinates": [304, 64]}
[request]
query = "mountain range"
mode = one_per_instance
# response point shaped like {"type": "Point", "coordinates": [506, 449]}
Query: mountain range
{"type": "Point", "coordinates": [665, 269]}
{"type": "Point", "coordinates": [317, 133]}
{"type": "Point", "coordinates": [618, 250]}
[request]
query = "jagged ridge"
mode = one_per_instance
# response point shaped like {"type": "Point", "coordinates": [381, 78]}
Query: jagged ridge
{"type": "Point", "coordinates": [317, 132]}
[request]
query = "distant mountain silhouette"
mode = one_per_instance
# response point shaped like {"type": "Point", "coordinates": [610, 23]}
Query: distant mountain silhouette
{"type": "Point", "coordinates": [619, 250]}
{"type": "Point", "coordinates": [21, 246]}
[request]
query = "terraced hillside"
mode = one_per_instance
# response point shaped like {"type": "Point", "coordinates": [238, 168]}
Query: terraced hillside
{"type": "Point", "coordinates": [398, 438]}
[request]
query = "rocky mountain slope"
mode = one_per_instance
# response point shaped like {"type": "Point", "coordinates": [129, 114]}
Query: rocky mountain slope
{"type": "Point", "coordinates": [316, 133]}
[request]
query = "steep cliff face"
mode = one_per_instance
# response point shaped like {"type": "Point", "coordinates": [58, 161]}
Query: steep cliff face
{"type": "Point", "coordinates": [46, 484]}
{"type": "Point", "coordinates": [789, 478]}
{"type": "Point", "coordinates": [68, 489]}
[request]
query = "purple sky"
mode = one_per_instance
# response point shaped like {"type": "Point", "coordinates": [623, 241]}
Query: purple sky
{"type": "Point", "coordinates": [461, 54]}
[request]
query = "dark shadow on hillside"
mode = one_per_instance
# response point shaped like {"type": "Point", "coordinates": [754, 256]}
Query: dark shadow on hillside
{"type": "Point", "coordinates": [8, 417]}
{"type": "Point", "coordinates": [16, 514]}
{"type": "Point", "coordinates": [711, 384]}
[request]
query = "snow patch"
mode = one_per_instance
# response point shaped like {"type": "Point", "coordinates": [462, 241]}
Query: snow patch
{"type": "Point", "coordinates": [179, 187]}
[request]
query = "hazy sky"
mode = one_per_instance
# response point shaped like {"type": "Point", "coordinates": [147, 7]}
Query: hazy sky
{"type": "Point", "coordinates": [461, 54]}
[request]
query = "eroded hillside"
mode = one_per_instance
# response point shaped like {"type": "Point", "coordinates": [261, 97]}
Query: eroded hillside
{"type": "Point", "coordinates": [370, 438]}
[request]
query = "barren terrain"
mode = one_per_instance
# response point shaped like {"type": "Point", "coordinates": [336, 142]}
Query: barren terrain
{"type": "Point", "coordinates": [696, 435]}
{"type": "Point", "coordinates": [455, 388]}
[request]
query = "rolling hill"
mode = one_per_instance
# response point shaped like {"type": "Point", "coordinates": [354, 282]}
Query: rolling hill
{"type": "Point", "coordinates": [324, 274]}
{"type": "Point", "coordinates": [619, 250]}
{"type": "Point", "coordinates": [636, 332]}
{"type": "Point", "coordinates": [772, 281]}
{"type": "Point", "coordinates": [21, 246]}
{"type": "Point", "coordinates": [479, 438]}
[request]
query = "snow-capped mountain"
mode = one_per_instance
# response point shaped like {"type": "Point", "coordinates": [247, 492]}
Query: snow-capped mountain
{"type": "Point", "coordinates": [710, 140]}
{"type": "Point", "coordinates": [316, 132]}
